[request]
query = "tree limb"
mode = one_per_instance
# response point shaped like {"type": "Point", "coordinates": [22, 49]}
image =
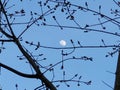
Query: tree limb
{"type": "Point", "coordinates": [8, 23]}
{"type": "Point", "coordinates": [117, 78]}
{"type": "Point", "coordinates": [6, 34]}
{"type": "Point", "coordinates": [40, 75]}
{"type": "Point", "coordinates": [17, 72]}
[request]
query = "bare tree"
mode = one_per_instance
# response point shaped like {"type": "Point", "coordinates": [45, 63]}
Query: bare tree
{"type": "Point", "coordinates": [17, 21]}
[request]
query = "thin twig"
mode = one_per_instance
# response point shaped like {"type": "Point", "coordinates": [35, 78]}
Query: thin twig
{"type": "Point", "coordinates": [107, 85]}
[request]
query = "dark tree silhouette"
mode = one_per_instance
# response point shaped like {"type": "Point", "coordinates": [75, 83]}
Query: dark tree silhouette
{"type": "Point", "coordinates": [16, 21]}
{"type": "Point", "coordinates": [117, 80]}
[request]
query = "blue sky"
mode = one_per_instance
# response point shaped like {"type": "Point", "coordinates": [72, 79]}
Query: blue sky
{"type": "Point", "coordinates": [95, 71]}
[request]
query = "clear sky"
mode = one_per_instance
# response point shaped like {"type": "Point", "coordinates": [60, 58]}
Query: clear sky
{"type": "Point", "coordinates": [97, 71]}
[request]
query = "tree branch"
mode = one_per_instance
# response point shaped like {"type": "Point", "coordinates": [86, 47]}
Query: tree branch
{"type": "Point", "coordinates": [6, 34]}
{"type": "Point", "coordinates": [40, 75]}
{"type": "Point", "coordinates": [117, 79]}
{"type": "Point", "coordinates": [17, 72]}
{"type": "Point", "coordinates": [8, 23]}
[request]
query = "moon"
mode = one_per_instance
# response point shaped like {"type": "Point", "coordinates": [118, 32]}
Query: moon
{"type": "Point", "coordinates": [62, 42]}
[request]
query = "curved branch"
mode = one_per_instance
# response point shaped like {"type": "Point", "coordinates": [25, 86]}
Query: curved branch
{"type": "Point", "coordinates": [17, 72]}
{"type": "Point", "coordinates": [40, 75]}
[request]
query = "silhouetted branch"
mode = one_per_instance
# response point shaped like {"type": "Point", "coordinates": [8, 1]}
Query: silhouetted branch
{"type": "Point", "coordinates": [117, 3]}
{"type": "Point", "coordinates": [8, 23]}
{"type": "Point", "coordinates": [4, 33]}
{"type": "Point", "coordinates": [86, 29]}
{"type": "Point", "coordinates": [102, 15]}
{"type": "Point", "coordinates": [107, 85]}
{"type": "Point", "coordinates": [77, 81]}
{"type": "Point", "coordinates": [17, 72]}
{"type": "Point", "coordinates": [71, 12]}
{"type": "Point", "coordinates": [36, 68]}
{"type": "Point", "coordinates": [92, 46]}
{"type": "Point", "coordinates": [117, 74]}
{"type": "Point", "coordinates": [39, 74]}
{"type": "Point", "coordinates": [3, 40]}
{"type": "Point", "coordinates": [97, 24]}
{"type": "Point", "coordinates": [72, 58]}
{"type": "Point", "coordinates": [28, 26]}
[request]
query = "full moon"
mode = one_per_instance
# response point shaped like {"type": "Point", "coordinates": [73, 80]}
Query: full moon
{"type": "Point", "coordinates": [62, 42]}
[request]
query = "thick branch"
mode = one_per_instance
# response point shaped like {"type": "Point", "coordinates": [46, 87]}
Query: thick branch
{"type": "Point", "coordinates": [6, 34]}
{"type": "Point", "coordinates": [36, 68]}
{"type": "Point", "coordinates": [47, 83]}
{"type": "Point", "coordinates": [117, 79]}
{"type": "Point", "coordinates": [17, 72]}
{"type": "Point", "coordinates": [28, 57]}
